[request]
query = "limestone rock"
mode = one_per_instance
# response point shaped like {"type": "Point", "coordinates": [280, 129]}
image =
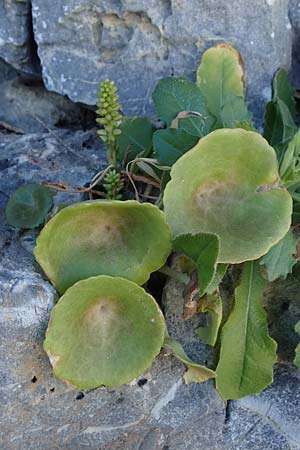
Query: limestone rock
{"type": "Point", "coordinates": [16, 38]}
{"type": "Point", "coordinates": [136, 42]}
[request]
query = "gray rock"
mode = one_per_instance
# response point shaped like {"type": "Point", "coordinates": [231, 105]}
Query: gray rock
{"type": "Point", "coordinates": [17, 46]}
{"type": "Point", "coordinates": [136, 42]}
{"type": "Point", "coordinates": [156, 411]}
{"type": "Point", "coordinates": [26, 106]}
{"type": "Point", "coordinates": [270, 420]}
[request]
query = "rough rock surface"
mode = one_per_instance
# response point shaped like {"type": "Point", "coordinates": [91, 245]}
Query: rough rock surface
{"type": "Point", "coordinates": [135, 43]}
{"type": "Point", "coordinates": [17, 45]}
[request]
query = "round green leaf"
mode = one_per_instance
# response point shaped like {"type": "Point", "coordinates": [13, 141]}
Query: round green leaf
{"type": "Point", "coordinates": [104, 331]}
{"type": "Point", "coordinates": [228, 185]}
{"type": "Point", "coordinates": [28, 206]}
{"type": "Point", "coordinates": [127, 239]}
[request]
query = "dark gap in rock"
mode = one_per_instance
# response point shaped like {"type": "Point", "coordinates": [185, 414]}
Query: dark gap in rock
{"type": "Point", "coordinates": [285, 306]}
{"type": "Point", "coordinates": [80, 396]}
{"type": "Point", "coordinates": [34, 379]}
{"type": "Point", "coordinates": [155, 285]}
{"type": "Point", "coordinates": [227, 412]}
{"type": "Point", "coordinates": [33, 48]}
{"type": "Point", "coordinates": [165, 447]}
{"type": "Point", "coordinates": [52, 389]}
{"type": "Point", "coordinates": [142, 382]}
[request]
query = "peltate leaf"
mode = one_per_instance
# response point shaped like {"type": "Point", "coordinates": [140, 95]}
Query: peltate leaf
{"type": "Point", "coordinates": [196, 373]}
{"type": "Point", "coordinates": [203, 249]}
{"type": "Point", "coordinates": [104, 331]}
{"type": "Point", "coordinates": [29, 206]}
{"type": "Point", "coordinates": [175, 94]}
{"type": "Point", "coordinates": [280, 259]}
{"type": "Point", "coordinates": [220, 77]}
{"type": "Point", "coordinates": [247, 351]}
{"type": "Point", "coordinates": [171, 143]}
{"type": "Point", "coordinates": [228, 185]}
{"type": "Point", "coordinates": [116, 238]}
{"type": "Point", "coordinates": [211, 304]}
{"type": "Point", "coordinates": [297, 355]}
{"type": "Point", "coordinates": [135, 138]}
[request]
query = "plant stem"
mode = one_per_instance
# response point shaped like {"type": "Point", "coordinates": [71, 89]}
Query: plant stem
{"type": "Point", "coordinates": [178, 276]}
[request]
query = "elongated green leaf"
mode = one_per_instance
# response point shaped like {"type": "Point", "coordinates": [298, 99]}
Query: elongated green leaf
{"type": "Point", "coordinates": [170, 144]}
{"type": "Point", "coordinates": [297, 355]}
{"type": "Point", "coordinates": [203, 249]}
{"type": "Point", "coordinates": [104, 331]}
{"type": "Point", "coordinates": [280, 259]}
{"type": "Point", "coordinates": [279, 127]}
{"type": "Point", "coordinates": [218, 277]}
{"type": "Point", "coordinates": [283, 90]}
{"type": "Point", "coordinates": [247, 351]}
{"type": "Point", "coordinates": [135, 138]}
{"type": "Point", "coordinates": [196, 373]}
{"type": "Point", "coordinates": [290, 167]}
{"type": "Point", "coordinates": [234, 112]}
{"type": "Point", "coordinates": [29, 206]}
{"type": "Point", "coordinates": [220, 77]}
{"type": "Point", "coordinates": [211, 304]}
{"type": "Point", "coordinates": [175, 94]}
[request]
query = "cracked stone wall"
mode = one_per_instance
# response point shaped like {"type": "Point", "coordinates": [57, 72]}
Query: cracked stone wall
{"type": "Point", "coordinates": [135, 42]}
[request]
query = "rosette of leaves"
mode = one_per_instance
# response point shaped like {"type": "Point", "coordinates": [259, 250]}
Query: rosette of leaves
{"type": "Point", "coordinates": [117, 238]}
{"type": "Point", "coordinates": [104, 331]}
{"type": "Point", "coordinates": [228, 185]}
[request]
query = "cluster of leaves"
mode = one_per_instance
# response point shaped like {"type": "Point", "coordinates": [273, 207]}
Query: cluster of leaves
{"type": "Point", "coordinates": [231, 198]}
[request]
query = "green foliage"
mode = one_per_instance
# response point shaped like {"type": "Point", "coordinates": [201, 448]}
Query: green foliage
{"type": "Point", "coordinates": [203, 249]}
{"type": "Point", "coordinates": [109, 118]}
{"type": "Point", "coordinates": [297, 354]}
{"type": "Point", "coordinates": [113, 185]}
{"type": "Point", "coordinates": [247, 352]}
{"type": "Point", "coordinates": [279, 126]}
{"type": "Point", "coordinates": [290, 167]}
{"type": "Point", "coordinates": [114, 331]}
{"type": "Point", "coordinates": [228, 185]}
{"type": "Point", "coordinates": [116, 238]}
{"type": "Point", "coordinates": [195, 373]}
{"type": "Point", "coordinates": [135, 139]}
{"type": "Point", "coordinates": [170, 144]}
{"type": "Point", "coordinates": [280, 259]}
{"type": "Point", "coordinates": [28, 206]}
{"type": "Point", "coordinates": [220, 77]}
{"type": "Point", "coordinates": [211, 304]}
{"type": "Point", "coordinates": [174, 95]}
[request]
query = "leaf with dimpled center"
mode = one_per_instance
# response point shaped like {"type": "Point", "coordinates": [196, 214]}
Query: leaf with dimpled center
{"type": "Point", "coordinates": [104, 331]}
{"type": "Point", "coordinates": [126, 239]}
{"type": "Point", "coordinates": [228, 185]}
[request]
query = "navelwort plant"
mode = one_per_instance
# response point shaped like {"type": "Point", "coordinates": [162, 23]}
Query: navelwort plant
{"type": "Point", "coordinates": [230, 199]}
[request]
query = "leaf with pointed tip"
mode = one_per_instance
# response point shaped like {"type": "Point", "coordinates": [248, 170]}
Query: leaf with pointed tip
{"type": "Point", "coordinates": [28, 206]}
{"type": "Point", "coordinates": [279, 126]}
{"type": "Point", "coordinates": [116, 238]}
{"type": "Point", "coordinates": [135, 138]}
{"type": "Point", "coordinates": [173, 95]}
{"type": "Point", "coordinates": [196, 373]}
{"type": "Point", "coordinates": [228, 185]}
{"type": "Point", "coordinates": [297, 354]}
{"type": "Point", "coordinates": [247, 351]}
{"type": "Point", "coordinates": [211, 304]}
{"type": "Point", "coordinates": [220, 77]}
{"type": "Point", "coordinates": [280, 259]}
{"type": "Point", "coordinates": [203, 249]}
{"type": "Point", "coordinates": [283, 89]}
{"type": "Point", "coordinates": [114, 331]}
{"type": "Point", "coordinates": [170, 144]}
{"type": "Point", "coordinates": [218, 277]}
